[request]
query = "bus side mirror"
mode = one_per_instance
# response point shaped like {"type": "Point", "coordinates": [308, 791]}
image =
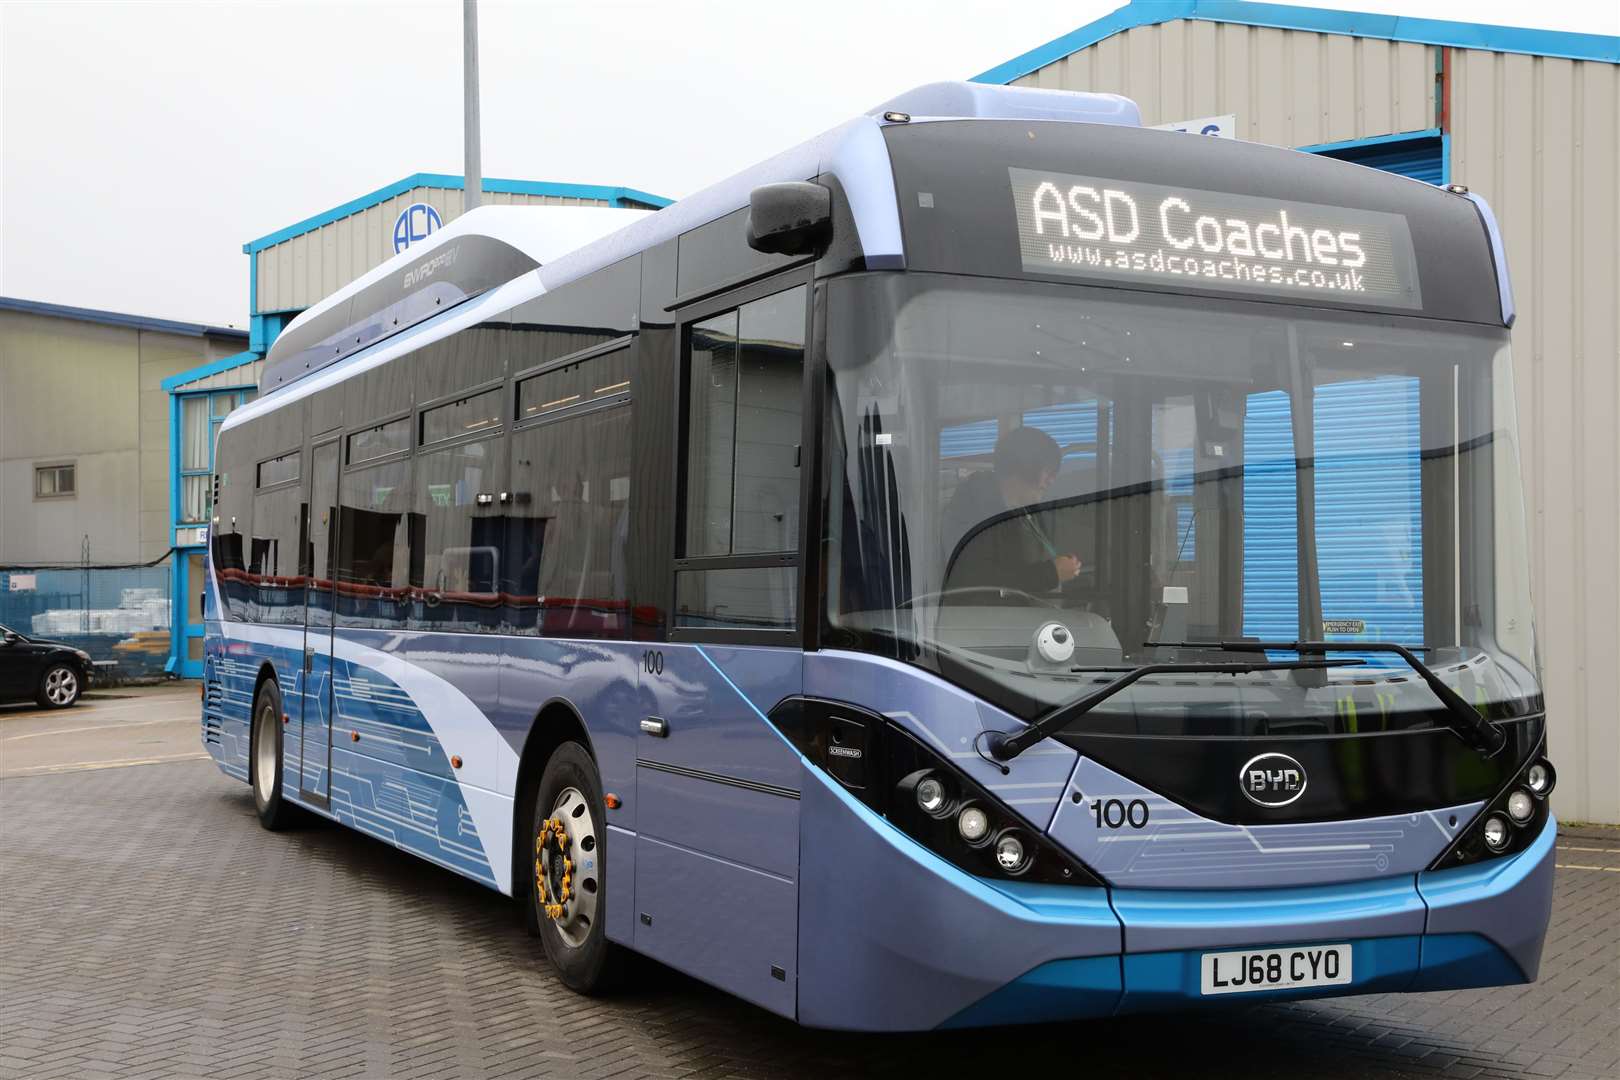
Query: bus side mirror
{"type": "Point", "coordinates": [793, 218]}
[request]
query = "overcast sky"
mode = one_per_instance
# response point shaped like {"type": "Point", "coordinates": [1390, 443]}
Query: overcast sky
{"type": "Point", "coordinates": [143, 143]}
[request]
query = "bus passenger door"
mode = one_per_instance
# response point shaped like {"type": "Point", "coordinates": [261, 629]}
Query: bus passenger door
{"type": "Point", "coordinates": [320, 573]}
{"type": "Point", "coordinates": [717, 854]}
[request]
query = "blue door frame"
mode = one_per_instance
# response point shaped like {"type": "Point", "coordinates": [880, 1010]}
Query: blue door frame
{"type": "Point", "coordinates": [221, 401]}
{"type": "Point", "coordinates": [180, 609]}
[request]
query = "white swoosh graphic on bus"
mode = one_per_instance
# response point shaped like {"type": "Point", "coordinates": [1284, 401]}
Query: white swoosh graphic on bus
{"type": "Point", "coordinates": [459, 725]}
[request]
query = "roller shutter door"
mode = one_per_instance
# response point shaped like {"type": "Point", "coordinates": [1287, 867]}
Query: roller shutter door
{"type": "Point", "coordinates": [1369, 539]}
{"type": "Point", "coordinates": [1421, 158]}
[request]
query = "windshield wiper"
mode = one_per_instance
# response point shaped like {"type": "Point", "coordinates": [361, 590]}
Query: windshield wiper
{"type": "Point", "coordinates": [1473, 728]}
{"type": "Point", "coordinates": [1005, 747]}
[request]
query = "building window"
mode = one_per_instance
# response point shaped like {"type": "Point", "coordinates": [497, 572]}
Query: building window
{"type": "Point", "coordinates": [55, 481]}
{"type": "Point", "coordinates": [200, 417]}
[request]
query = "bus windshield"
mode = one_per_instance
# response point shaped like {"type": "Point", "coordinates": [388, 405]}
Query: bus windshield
{"type": "Point", "coordinates": [1034, 487]}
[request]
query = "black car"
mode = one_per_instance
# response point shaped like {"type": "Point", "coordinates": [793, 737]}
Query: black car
{"type": "Point", "coordinates": [49, 672]}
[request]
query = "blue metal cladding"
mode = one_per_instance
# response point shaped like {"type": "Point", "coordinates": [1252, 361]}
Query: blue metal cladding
{"type": "Point", "coordinates": [1368, 506]}
{"type": "Point", "coordinates": [1270, 529]}
{"type": "Point", "coordinates": [1073, 425]}
{"type": "Point", "coordinates": [1368, 510]}
{"type": "Point", "coordinates": [974, 439]}
{"type": "Point", "coordinates": [1421, 158]}
{"type": "Point", "coordinates": [1177, 466]}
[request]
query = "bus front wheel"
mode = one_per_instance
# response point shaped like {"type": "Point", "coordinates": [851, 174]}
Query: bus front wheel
{"type": "Point", "coordinates": [567, 899]}
{"type": "Point", "coordinates": [264, 758]}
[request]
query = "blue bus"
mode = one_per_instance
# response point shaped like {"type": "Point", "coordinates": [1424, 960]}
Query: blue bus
{"type": "Point", "coordinates": [992, 563]}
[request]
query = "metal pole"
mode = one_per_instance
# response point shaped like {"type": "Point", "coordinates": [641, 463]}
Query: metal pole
{"type": "Point", "coordinates": [473, 189]}
{"type": "Point", "coordinates": [84, 561]}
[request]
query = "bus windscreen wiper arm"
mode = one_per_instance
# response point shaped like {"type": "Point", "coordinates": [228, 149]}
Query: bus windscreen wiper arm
{"type": "Point", "coordinates": [1004, 746]}
{"type": "Point", "coordinates": [1466, 721]}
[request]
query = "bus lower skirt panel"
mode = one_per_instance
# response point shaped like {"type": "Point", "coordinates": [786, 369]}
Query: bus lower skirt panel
{"type": "Point", "coordinates": [894, 939]}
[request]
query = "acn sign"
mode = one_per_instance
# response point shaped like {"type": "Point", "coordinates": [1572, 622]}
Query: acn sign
{"type": "Point", "coordinates": [416, 222]}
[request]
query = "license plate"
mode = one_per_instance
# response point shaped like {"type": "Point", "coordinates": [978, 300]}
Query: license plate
{"type": "Point", "coordinates": [1276, 969]}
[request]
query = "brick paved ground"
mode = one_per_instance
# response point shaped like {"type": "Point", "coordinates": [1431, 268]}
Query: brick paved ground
{"type": "Point", "coordinates": [150, 928]}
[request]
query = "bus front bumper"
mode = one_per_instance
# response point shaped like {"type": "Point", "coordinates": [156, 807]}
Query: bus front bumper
{"type": "Point", "coordinates": [909, 942]}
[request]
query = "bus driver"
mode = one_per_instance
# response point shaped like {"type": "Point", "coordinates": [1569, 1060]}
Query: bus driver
{"type": "Point", "coordinates": [989, 548]}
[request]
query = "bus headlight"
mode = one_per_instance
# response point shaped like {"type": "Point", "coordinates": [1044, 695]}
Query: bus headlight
{"type": "Point", "coordinates": [932, 798]}
{"type": "Point", "coordinates": [1540, 778]}
{"type": "Point", "coordinates": [973, 824]}
{"type": "Point", "coordinates": [1520, 806]}
{"type": "Point", "coordinates": [1010, 853]}
{"type": "Point", "coordinates": [1496, 832]}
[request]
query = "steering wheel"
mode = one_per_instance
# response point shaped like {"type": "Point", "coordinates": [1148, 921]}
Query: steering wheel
{"type": "Point", "coordinates": [1000, 593]}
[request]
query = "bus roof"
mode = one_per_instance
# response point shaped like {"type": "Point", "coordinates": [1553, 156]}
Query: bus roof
{"type": "Point", "coordinates": [562, 244]}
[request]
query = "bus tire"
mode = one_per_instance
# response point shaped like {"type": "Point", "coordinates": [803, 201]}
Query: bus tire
{"type": "Point", "coordinates": [575, 938]}
{"type": "Point", "coordinates": [264, 758]}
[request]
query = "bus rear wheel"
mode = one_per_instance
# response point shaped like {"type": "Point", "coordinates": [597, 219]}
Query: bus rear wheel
{"type": "Point", "coordinates": [264, 758]}
{"type": "Point", "coordinates": [567, 899]}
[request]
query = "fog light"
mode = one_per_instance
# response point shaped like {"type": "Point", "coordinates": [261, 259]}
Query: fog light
{"type": "Point", "coordinates": [1520, 806]}
{"type": "Point", "coordinates": [1496, 832]}
{"type": "Point", "coordinates": [1010, 854]}
{"type": "Point", "coordinates": [1539, 778]}
{"type": "Point", "coordinates": [931, 795]}
{"type": "Point", "coordinates": [973, 824]}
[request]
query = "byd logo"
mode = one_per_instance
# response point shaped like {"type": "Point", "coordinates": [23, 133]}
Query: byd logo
{"type": "Point", "coordinates": [1272, 780]}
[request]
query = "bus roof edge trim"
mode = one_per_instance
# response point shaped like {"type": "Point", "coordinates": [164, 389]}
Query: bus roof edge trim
{"type": "Point", "coordinates": [1504, 284]}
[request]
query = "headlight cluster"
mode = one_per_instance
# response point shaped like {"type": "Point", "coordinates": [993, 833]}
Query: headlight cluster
{"type": "Point", "coordinates": [923, 794]}
{"type": "Point", "coordinates": [1511, 821]}
{"type": "Point", "coordinates": [1010, 846]}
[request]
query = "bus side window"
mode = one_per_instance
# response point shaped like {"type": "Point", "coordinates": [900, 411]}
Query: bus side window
{"type": "Point", "coordinates": [770, 403]}
{"type": "Point", "coordinates": [711, 434]}
{"type": "Point", "coordinates": [575, 566]}
{"type": "Point", "coordinates": [278, 533]}
{"type": "Point", "coordinates": [744, 375]}
{"type": "Point", "coordinates": [375, 548]}
{"type": "Point", "coordinates": [461, 540]}
{"type": "Point", "coordinates": [457, 479]}
{"type": "Point", "coordinates": [232, 515]}
{"type": "Point", "coordinates": [566, 532]}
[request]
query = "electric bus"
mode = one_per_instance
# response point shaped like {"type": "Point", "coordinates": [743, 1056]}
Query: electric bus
{"type": "Point", "coordinates": [992, 563]}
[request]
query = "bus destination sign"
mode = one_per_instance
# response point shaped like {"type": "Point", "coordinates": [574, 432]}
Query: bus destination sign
{"type": "Point", "coordinates": [1092, 227]}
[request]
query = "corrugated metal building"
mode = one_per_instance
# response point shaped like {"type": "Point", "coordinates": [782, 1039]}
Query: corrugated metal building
{"type": "Point", "coordinates": [84, 429]}
{"type": "Point", "coordinates": [291, 269]}
{"type": "Point", "coordinates": [1530, 119]}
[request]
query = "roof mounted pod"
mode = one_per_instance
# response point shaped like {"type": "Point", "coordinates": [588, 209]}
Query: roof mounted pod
{"type": "Point", "coordinates": [980, 101]}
